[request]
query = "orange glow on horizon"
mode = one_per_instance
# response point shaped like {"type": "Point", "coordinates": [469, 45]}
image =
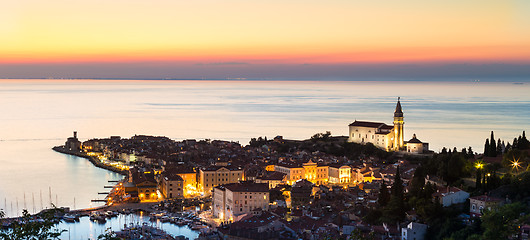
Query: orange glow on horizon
{"type": "Point", "coordinates": [263, 32]}
{"type": "Point", "coordinates": [516, 54]}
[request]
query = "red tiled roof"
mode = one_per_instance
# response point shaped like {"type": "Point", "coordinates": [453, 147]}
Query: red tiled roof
{"type": "Point", "coordinates": [247, 187]}
{"type": "Point", "coordinates": [368, 124]}
{"type": "Point", "coordinates": [274, 176]}
{"type": "Point", "coordinates": [485, 198]}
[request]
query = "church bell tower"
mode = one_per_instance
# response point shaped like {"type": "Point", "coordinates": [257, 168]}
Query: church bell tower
{"type": "Point", "coordinates": [398, 127]}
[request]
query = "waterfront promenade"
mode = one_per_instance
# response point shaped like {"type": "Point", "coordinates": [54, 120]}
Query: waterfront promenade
{"type": "Point", "coordinates": [92, 159]}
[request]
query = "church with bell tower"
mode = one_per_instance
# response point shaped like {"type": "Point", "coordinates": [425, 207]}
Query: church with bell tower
{"type": "Point", "coordinates": [398, 127]}
{"type": "Point", "coordinates": [390, 138]}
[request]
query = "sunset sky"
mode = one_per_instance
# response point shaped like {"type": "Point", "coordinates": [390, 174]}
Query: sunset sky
{"type": "Point", "coordinates": [264, 38]}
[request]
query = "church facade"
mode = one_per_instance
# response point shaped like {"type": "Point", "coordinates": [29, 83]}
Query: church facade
{"type": "Point", "coordinates": [379, 134]}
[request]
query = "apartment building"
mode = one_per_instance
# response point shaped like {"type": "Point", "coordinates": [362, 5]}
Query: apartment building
{"type": "Point", "coordinates": [218, 175]}
{"type": "Point", "coordinates": [171, 186]}
{"type": "Point", "coordinates": [231, 201]}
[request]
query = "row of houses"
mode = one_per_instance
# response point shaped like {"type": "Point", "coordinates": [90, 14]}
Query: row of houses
{"type": "Point", "coordinates": [332, 174]}
{"type": "Point", "coordinates": [204, 180]}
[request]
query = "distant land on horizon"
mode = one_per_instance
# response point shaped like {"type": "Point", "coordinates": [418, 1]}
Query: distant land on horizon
{"type": "Point", "coordinates": [432, 79]}
{"type": "Point", "coordinates": [417, 71]}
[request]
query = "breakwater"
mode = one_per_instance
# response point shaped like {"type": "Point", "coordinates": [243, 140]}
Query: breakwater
{"type": "Point", "coordinates": [93, 160]}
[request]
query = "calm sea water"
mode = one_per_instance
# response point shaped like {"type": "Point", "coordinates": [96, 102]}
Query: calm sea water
{"type": "Point", "coordinates": [38, 114]}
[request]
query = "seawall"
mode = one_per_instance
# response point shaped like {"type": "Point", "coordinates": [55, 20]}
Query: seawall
{"type": "Point", "coordinates": [93, 160]}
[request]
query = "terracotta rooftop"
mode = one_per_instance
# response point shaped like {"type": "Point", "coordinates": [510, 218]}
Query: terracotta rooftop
{"type": "Point", "coordinates": [273, 176]}
{"type": "Point", "coordinates": [485, 198]}
{"type": "Point", "coordinates": [370, 124]}
{"type": "Point", "coordinates": [246, 187]}
{"type": "Point", "coordinates": [172, 177]}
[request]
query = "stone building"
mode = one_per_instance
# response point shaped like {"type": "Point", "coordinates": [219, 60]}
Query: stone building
{"type": "Point", "coordinates": [72, 143]}
{"type": "Point", "coordinates": [231, 201]}
{"type": "Point", "coordinates": [218, 175]}
{"type": "Point", "coordinates": [379, 134]}
{"type": "Point", "coordinates": [172, 185]}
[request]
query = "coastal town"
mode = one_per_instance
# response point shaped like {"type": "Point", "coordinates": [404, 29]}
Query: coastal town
{"type": "Point", "coordinates": [371, 184]}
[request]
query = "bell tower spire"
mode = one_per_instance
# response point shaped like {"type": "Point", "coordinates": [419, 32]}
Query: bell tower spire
{"type": "Point", "coordinates": [398, 126]}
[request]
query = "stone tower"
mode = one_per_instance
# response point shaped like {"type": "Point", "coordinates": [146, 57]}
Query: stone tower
{"type": "Point", "coordinates": [398, 127]}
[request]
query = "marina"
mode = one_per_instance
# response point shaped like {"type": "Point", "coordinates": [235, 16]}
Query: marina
{"type": "Point", "coordinates": [88, 227]}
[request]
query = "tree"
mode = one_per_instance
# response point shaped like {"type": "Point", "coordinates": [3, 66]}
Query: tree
{"type": "Point", "coordinates": [503, 222]}
{"type": "Point", "coordinates": [499, 146]}
{"type": "Point", "coordinates": [384, 196]}
{"type": "Point", "coordinates": [358, 235]}
{"type": "Point", "coordinates": [478, 182]}
{"type": "Point", "coordinates": [507, 148]}
{"type": "Point", "coordinates": [395, 209]}
{"type": "Point", "coordinates": [524, 143]}
{"type": "Point", "coordinates": [455, 168]}
{"type": "Point", "coordinates": [470, 152]}
{"type": "Point", "coordinates": [397, 187]}
{"type": "Point", "coordinates": [108, 235]}
{"type": "Point", "coordinates": [444, 151]}
{"type": "Point", "coordinates": [28, 229]}
{"type": "Point", "coordinates": [493, 146]}
{"type": "Point", "coordinates": [417, 183]}
{"type": "Point", "coordinates": [487, 147]}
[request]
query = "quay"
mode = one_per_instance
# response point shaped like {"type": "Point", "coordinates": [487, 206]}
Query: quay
{"type": "Point", "coordinates": [93, 160]}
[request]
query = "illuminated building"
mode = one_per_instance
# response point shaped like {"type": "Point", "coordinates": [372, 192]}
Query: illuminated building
{"type": "Point", "coordinates": [190, 183]}
{"type": "Point", "coordinates": [188, 175]}
{"type": "Point", "coordinates": [231, 201]}
{"type": "Point", "coordinates": [379, 134]}
{"type": "Point", "coordinates": [172, 186]}
{"type": "Point", "coordinates": [321, 174]}
{"type": "Point", "coordinates": [414, 145]}
{"type": "Point", "coordinates": [272, 178]}
{"type": "Point", "coordinates": [301, 192]}
{"type": "Point", "coordinates": [217, 175]}
{"type": "Point", "coordinates": [145, 183]}
{"type": "Point", "coordinates": [339, 174]}
{"type": "Point", "coordinates": [311, 171]}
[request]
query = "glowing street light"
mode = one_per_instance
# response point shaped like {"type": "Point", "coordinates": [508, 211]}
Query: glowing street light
{"type": "Point", "coordinates": [479, 165]}
{"type": "Point", "coordinates": [516, 164]}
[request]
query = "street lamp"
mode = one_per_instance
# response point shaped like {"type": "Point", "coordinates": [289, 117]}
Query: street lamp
{"type": "Point", "coordinates": [516, 164]}
{"type": "Point", "coordinates": [479, 165]}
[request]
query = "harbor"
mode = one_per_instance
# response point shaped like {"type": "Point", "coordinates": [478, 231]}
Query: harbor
{"type": "Point", "coordinates": [127, 220]}
{"type": "Point", "coordinates": [128, 223]}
